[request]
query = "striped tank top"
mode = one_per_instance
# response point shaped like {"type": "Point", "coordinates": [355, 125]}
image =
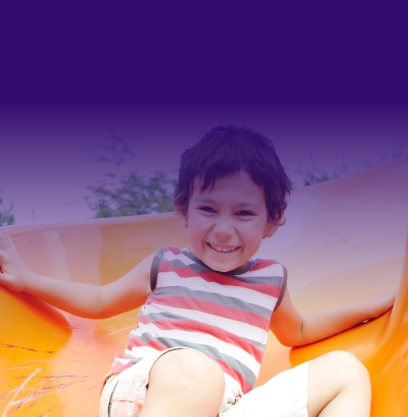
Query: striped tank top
{"type": "Point", "coordinates": [222, 314]}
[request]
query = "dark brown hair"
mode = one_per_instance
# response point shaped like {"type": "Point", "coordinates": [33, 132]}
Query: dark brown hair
{"type": "Point", "coordinates": [226, 150]}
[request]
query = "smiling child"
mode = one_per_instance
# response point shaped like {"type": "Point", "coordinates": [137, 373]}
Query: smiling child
{"type": "Point", "coordinates": [202, 331]}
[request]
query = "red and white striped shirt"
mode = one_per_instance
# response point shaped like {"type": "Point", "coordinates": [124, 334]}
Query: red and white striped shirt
{"type": "Point", "coordinates": [224, 315]}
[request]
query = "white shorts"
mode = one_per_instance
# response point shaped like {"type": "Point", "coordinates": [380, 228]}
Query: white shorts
{"type": "Point", "coordinates": [285, 395]}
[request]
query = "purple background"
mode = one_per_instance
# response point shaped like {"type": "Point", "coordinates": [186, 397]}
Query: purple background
{"type": "Point", "coordinates": [322, 80]}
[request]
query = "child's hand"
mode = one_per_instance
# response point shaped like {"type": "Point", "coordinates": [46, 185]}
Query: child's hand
{"type": "Point", "coordinates": [13, 269]}
{"type": "Point", "coordinates": [382, 304]}
{"type": "Point", "coordinates": [297, 329]}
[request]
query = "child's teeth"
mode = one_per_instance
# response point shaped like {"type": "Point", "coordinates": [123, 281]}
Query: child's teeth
{"type": "Point", "coordinates": [221, 249]}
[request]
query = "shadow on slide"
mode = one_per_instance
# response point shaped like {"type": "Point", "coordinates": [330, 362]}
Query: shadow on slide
{"type": "Point", "coordinates": [344, 242]}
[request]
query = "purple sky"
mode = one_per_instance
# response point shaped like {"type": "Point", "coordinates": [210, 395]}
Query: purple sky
{"type": "Point", "coordinates": [321, 79]}
{"type": "Point", "coordinates": [281, 52]}
{"type": "Point", "coordinates": [44, 161]}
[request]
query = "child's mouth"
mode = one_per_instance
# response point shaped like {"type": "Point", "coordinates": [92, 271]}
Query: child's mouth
{"type": "Point", "coordinates": [223, 249]}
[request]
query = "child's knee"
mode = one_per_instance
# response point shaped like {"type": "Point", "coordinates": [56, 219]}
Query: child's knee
{"type": "Point", "coordinates": [349, 363]}
{"type": "Point", "coordinates": [335, 376]}
{"type": "Point", "coordinates": [346, 368]}
{"type": "Point", "coordinates": [184, 380]}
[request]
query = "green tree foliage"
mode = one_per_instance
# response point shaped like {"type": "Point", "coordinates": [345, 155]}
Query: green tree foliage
{"type": "Point", "coordinates": [127, 194]}
{"type": "Point", "coordinates": [133, 195]}
{"type": "Point", "coordinates": [6, 218]}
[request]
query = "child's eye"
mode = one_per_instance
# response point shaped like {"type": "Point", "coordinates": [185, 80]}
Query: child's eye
{"type": "Point", "coordinates": [245, 213]}
{"type": "Point", "coordinates": [207, 209]}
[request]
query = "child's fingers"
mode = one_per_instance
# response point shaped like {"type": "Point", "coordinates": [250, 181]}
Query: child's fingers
{"type": "Point", "coordinates": [8, 252]}
{"type": "Point", "coordinates": [386, 302]}
{"type": "Point", "coordinates": [2, 245]}
{"type": "Point", "coordinates": [5, 238]}
{"type": "Point", "coordinates": [7, 246]}
{"type": "Point", "coordinates": [3, 234]}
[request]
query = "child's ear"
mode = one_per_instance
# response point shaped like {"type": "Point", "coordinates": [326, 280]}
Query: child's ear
{"type": "Point", "coordinates": [270, 229]}
{"type": "Point", "coordinates": [184, 220]}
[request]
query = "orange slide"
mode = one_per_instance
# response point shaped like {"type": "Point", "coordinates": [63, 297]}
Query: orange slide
{"type": "Point", "coordinates": [344, 242]}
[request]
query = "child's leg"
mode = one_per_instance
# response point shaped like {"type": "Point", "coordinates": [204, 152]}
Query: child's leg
{"type": "Point", "coordinates": [339, 385]}
{"type": "Point", "coordinates": [184, 383]}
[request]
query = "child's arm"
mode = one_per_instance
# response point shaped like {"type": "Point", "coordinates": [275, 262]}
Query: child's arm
{"type": "Point", "coordinates": [296, 329]}
{"type": "Point", "coordinates": [84, 300]}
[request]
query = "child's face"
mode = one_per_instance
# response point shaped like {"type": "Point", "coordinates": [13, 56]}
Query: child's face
{"type": "Point", "coordinates": [226, 224]}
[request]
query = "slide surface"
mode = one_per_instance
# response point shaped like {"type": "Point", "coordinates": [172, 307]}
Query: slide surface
{"type": "Point", "coordinates": [344, 242]}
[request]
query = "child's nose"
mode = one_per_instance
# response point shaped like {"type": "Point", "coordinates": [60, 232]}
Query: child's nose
{"type": "Point", "coordinates": [224, 228]}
